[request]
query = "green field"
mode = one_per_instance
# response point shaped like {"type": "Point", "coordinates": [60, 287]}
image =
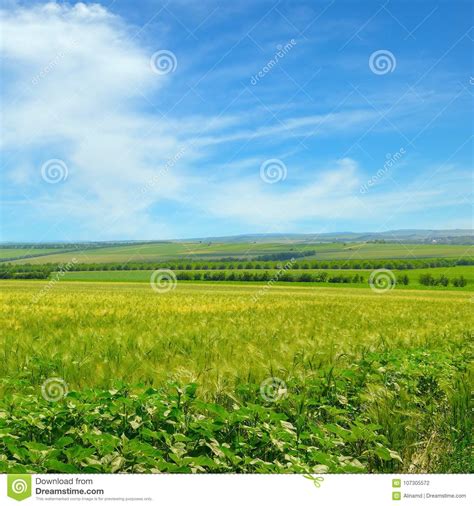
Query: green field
{"type": "Point", "coordinates": [208, 251]}
{"type": "Point", "coordinates": [301, 379]}
{"type": "Point", "coordinates": [6, 253]}
{"type": "Point", "coordinates": [413, 274]}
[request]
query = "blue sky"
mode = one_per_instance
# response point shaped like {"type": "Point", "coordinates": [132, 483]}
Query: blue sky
{"type": "Point", "coordinates": [172, 119]}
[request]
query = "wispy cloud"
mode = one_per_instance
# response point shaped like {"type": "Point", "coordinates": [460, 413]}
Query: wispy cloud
{"type": "Point", "coordinates": [73, 95]}
{"type": "Point", "coordinates": [328, 196]}
{"type": "Point", "coordinates": [78, 86]}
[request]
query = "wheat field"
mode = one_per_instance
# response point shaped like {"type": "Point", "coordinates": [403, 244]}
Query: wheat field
{"type": "Point", "coordinates": [396, 363]}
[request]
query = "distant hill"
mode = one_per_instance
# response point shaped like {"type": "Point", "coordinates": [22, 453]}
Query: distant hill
{"type": "Point", "coordinates": [456, 236]}
{"type": "Point", "coordinates": [415, 236]}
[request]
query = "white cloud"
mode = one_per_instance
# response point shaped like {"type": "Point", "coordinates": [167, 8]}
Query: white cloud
{"type": "Point", "coordinates": [256, 202]}
{"type": "Point", "coordinates": [330, 195]}
{"type": "Point", "coordinates": [304, 126]}
{"type": "Point", "coordinates": [73, 75]}
{"type": "Point", "coordinates": [74, 88]}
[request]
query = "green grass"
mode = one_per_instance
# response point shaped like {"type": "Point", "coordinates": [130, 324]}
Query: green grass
{"type": "Point", "coordinates": [203, 251]}
{"type": "Point", "coordinates": [165, 251]}
{"type": "Point", "coordinates": [144, 276]}
{"type": "Point", "coordinates": [395, 251]}
{"type": "Point", "coordinates": [372, 382]}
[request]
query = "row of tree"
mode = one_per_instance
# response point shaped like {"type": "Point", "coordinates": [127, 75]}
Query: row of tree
{"type": "Point", "coordinates": [24, 275]}
{"type": "Point", "coordinates": [285, 255]}
{"type": "Point", "coordinates": [287, 276]}
{"type": "Point", "coordinates": [320, 277]}
{"type": "Point", "coordinates": [258, 265]}
{"type": "Point", "coordinates": [430, 280]}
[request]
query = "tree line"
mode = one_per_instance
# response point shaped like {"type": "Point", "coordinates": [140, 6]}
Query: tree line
{"type": "Point", "coordinates": [320, 277]}
{"type": "Point", "coordinates": [426, 279]}
{"type": "Point", "coordinates": [430, 280]}
{"type": "Point", "coordinates": [188, 265]}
